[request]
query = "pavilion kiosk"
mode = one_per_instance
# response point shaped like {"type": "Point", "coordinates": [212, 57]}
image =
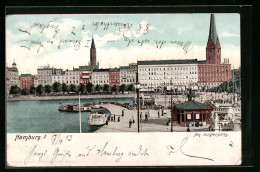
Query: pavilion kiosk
{"type": "Point", "coordinates": [191, 113]}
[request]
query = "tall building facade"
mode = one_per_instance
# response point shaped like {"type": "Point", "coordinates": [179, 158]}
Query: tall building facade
{"type": "Point", "coordinates": [12, 77]}
{"type": "Point", "coordinates": [128, 74]}
{"type": "Point", "coordinates": [93, 61]}
{"type": "Point", "coordinates": [72, 76]}
{"type": "Point", "coordinates": [26, 81]}
{"type": "Point", "coordinates": [100, 76]}
{"type": "Point", "coordinates": [58, 75]}
{"type": "Point", "coordinates": [85, 74]}
{"type": "Point", "coordinates": [156, 74]}
{"type": "Point", "coordinates": [212, 72]}
{"type": "Point", "coordinates": [114, 77]}
{"type": "Point", "coordinates": [44, 75]}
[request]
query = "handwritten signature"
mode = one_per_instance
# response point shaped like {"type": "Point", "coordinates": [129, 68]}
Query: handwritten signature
{"type": "Point", "coordinates": [174, 149]}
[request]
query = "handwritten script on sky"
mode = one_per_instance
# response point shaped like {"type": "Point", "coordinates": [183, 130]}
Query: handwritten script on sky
{"type": "Point", "coordinates": [36, 40]}
{"type": "Point", "coordinates": [37, 32]}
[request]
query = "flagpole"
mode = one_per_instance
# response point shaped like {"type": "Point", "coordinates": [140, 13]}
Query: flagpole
{"type": "Point", "coordinates": [79, 115]}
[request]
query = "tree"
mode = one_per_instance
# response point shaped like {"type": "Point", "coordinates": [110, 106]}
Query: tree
{"type": "Point", "coordinates": [106, 88]}
{"type": "Point", "coordinates": [25, 92]}
{"type": "Point", "coordinates": [122, 88]}
{"type": "Point", "coordinates": [98, 88]}
{"type": "Point", "coordinates": [48, 89]}
{"type": "Point", "coordinates": [130, 88]}
{"type": "Point", "coordinates": [32, 90]}
{"type": "Point", "coordinates": [82, 89]}
{"type": "Point", "coordinates": [89, 87]}
{"type": "Point", "coordinates": [40, 89]}
{"type": "Point", "coordinates": [73, 88]}
{"type": "Point", "coordinates": [114, 88]}
{"type": "Point", "coordinates": [56, 87]}
{"type": "Point", "coordinates": [65, 88]}
{"type": "Point", "coordinates": [15, 90]}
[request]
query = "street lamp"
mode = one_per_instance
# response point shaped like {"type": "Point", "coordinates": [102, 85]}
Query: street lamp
{"type": "Point", "coordinates": [138, 99]}
{"type": "Point", "coordinates": [171, 107]}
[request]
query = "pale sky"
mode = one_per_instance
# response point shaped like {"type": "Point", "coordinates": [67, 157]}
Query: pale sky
{"type": "Point", "coordinates": [38, 40]}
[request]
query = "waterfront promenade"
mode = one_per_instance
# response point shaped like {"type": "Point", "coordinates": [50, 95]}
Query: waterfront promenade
{"type": "Point", "coordinates": [154, 123]}
{"type": "Point", "coordinates": [72, 97]}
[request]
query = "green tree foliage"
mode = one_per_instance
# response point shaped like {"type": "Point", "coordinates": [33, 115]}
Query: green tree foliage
{"type": "Point", "coordinates": [65, 88]}
{"type": "Point", "coordinates": [106, 88]}
{"type": "Point", "coordinates": [122, 88]}
{"type": "Point", "coordinates": [39, 89]}
{"type": "Point", "coordinates": [89, 87]}
{"type": "Point", "coordinates": [32, 90]}
{"type": "Point", "coordinates": [56, 87]}
{"type": "Point", "coordinates": [130, 87]}
{"type": "Point", "coordinates": [82, 89]}
{"type": "Point", "coordinates": [114, 88]}
{"type": "Point", "coordinates": [25, 92]}
{"type": "Point", "coordinates": [48, 89]}
{"type": "Point", "coordinates": [15, 90]}
{"type": "Point", "coordinates": [98, 88]}
{"type": "Point", "coordinates": [73, 88]}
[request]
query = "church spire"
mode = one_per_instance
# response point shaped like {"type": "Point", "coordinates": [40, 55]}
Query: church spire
{"type": "Point", "coordinates": [212, 30]}
{"type": "Point", "coordinates": [92, 44]}
{"type": "Point", "coordinates": [93, 60]}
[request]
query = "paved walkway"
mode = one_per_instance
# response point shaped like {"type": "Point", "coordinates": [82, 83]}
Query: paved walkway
{"type": "Point", "coordinates": [154, 123]}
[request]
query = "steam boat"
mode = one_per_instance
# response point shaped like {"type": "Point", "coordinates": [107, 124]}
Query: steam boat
{"type": "Point", "coordinates": [74, 108]}
{"type": "Point", "coordinates": [98, 117]}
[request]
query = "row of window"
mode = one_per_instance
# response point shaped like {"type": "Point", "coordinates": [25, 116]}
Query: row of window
{"type": "Point", "coordinates": [128, 80]}
{"type": "Point", "coordinates": [114, 76]}
{"type": "Point", "coordinates": [211, 70]}
{"type": "Point", "coordinates": [211, 74]}
{"type": "Point", "coordinates": [128, 72]}
{"type": "Point", "coordinates": [213, 79]}
{"type": "Point", "coordinates": [72, 73]}
{"type": "Point", "coordinates": [100, 82]}
{"type": "Point", "coordinates": [45, 73]}
{"type": "Point", "coordinates": [179, 73]}
{"type": "Point", "coordinates": [168, 68]}
{"type": "Point", "coordinates": [175, 77]}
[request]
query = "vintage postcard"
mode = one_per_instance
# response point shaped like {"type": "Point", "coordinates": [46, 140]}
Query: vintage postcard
{"type": "Point", "coordinates": [123, 89]}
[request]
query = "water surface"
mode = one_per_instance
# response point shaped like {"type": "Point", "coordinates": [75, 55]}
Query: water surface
{"type": "Point", "coordinates": [42, 116]}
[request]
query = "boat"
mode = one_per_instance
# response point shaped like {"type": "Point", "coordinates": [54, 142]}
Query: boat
{"type": "Point", "coordinates": [95, 106]}
{"type": "Point", "coordinates": [98, 117]}
{"type": "Point", "coordinates": [74, 108]}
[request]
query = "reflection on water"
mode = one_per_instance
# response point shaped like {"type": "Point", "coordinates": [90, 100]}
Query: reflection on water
{"type": "Point", "coordinates": [43, 116]}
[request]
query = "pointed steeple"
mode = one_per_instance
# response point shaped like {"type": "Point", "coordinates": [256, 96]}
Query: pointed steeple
{"type": "Point", "coordinates": [92, 44]}
{"type": "Point", "coordinates": [212, 30]}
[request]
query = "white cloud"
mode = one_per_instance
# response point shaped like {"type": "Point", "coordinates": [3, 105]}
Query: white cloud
{"type": "Point", "coordinates": [233, 53]}
{"type": "Point", "coordinates": [226, 34]}
{"type": "Point", "coordinates": [102, 41]}
{"type": "Point", "coordinates": [183, 29]}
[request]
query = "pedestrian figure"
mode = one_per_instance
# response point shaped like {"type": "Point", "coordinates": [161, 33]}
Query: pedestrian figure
{"type": "Point", "coordinates": [118, 119]}
{"type": "Point", "coordinates": [158, 114]}
{"type": "Point", "coordinates": [114, 117]}
{"type": "Point", "coordinates": [133, 120]}
{"type": "Point", "coordinates": [123, 112]}
{"type": "Point", "coordinates": [146, 117]}
{"type": "Point", "coordinates": [162, 112]}
{"type": "Point", "coordinates": [130, 123]}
